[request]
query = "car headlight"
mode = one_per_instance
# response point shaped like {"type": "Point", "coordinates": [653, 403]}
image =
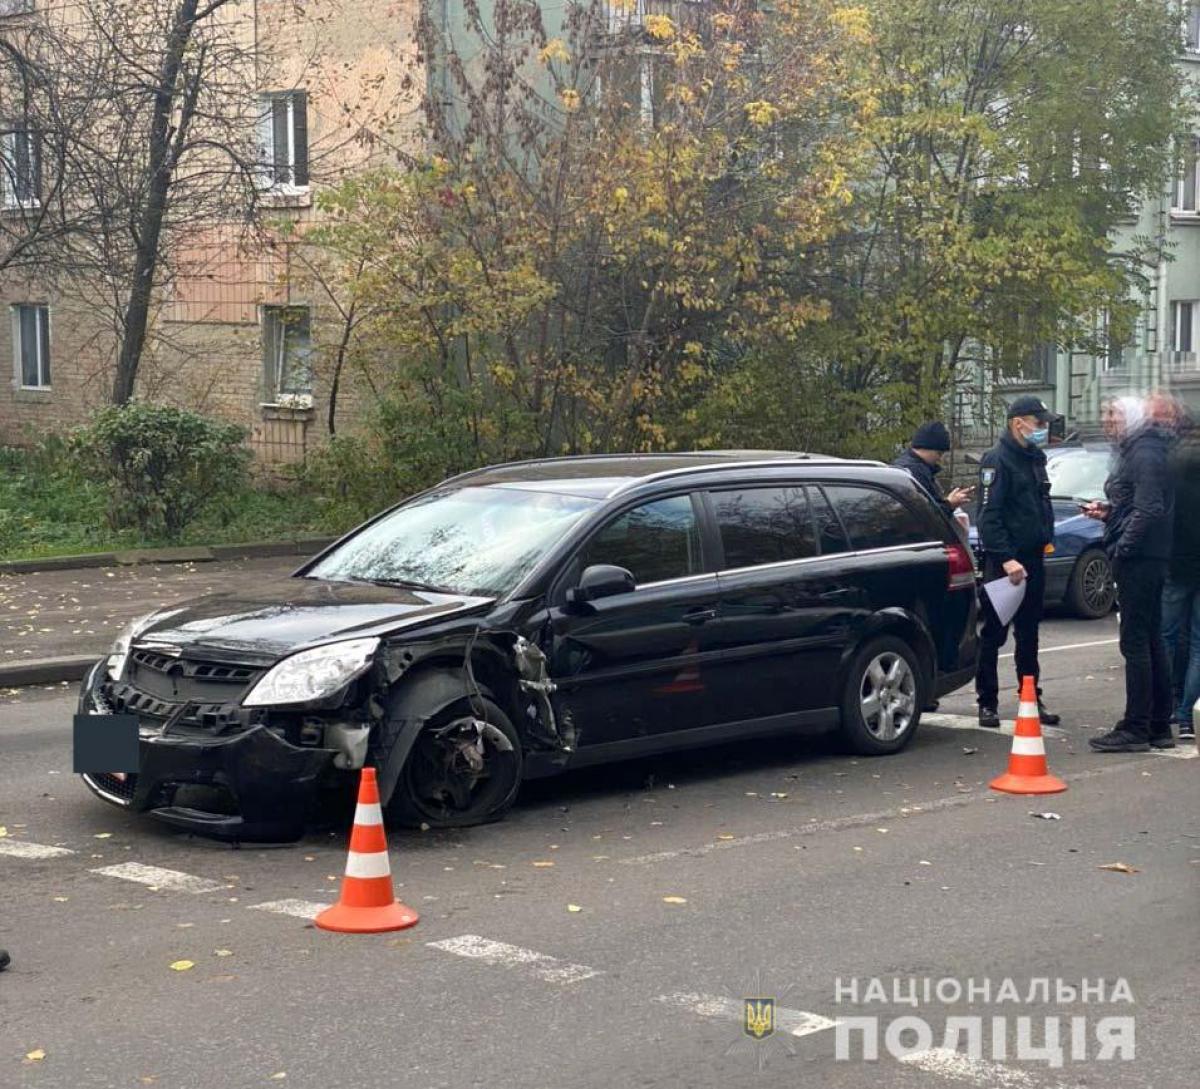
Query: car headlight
{"type": "Point", "coordinates": [312, 674]}
{"type": "Point", "coordinates": [118, 653]}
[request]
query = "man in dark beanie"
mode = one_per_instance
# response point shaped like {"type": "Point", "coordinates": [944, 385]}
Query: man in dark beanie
{"type": "Point", "coordinates": [922, 460]}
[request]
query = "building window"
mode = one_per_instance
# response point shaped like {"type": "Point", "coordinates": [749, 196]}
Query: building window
{"type": "Point", "coordinates": [283, 140]}
{"type": "Point", "coordinates": [20, 164]}
{"type": "Point", "coordinates": [1185, 183]}
{"type": "Point", "coordinates": [288, 354]}
{"type": "Point", "coordinates": [1191, 28]}
{"type": "Point", "coordinates": [31, 345]}
{"type": "Point", "coordinates": [1183, 328]}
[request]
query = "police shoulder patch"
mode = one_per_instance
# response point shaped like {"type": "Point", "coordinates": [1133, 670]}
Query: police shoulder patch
{"type": "Point", "coordinates": [987, 476]}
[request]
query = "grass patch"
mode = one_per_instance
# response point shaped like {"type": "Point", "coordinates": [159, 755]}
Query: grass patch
{"type": "Point", "coordinates": [48, 508]}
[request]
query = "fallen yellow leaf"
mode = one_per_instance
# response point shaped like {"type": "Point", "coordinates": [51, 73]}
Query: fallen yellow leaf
{"type": "Point", "coordinates": [3, 831]}
{"type": "Point", "coordinates": [574, 908]}
{"type": "Point", "coordinates": [36, 1056]}
{"type": "Point", "coordinates": [1119, 867]}
{"type": "Point", "coordinates": [543, 865]}
{"type": "Point", "coordinates": [674, 900]}
{"type": "Point", "coordinates": [182, 965]}
{"type": "Point", "coordinates": [280, 1076]}
{"type": "Point", "coordinates": [61, 899]}
{"type": "Point", "coordinates": [223, 952]}
{"type": "Point", "coordinates": [725, 835]}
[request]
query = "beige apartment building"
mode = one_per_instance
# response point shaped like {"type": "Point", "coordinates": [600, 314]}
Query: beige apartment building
{"type": "Point", "coordinates": [239, 328]}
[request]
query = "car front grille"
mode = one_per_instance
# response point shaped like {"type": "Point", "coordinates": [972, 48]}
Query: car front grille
{"type": "Point", "coordinates": [121, 789]}
{"type": "Point", "coordinates": [191, 692]}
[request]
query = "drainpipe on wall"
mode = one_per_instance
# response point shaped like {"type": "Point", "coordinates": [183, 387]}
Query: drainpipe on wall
{"type": "Point", "coordinates": [1165, 335]}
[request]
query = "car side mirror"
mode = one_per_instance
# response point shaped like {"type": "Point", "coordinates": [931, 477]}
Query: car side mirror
{"type": "Point", "coordinates": [601, 580]}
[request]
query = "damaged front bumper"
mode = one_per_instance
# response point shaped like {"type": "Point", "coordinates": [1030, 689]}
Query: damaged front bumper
{"type": "Point", "coordinates": [248, 785]}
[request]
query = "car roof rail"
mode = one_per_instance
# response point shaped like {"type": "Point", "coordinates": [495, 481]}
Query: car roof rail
{"type": "Point", "coordinates": [807, 460]}
{"type": "Point", "coordinates": [705, 460]}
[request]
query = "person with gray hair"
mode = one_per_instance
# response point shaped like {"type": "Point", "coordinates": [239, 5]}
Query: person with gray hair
{"type": "Point", "coordinates": [1138, 521]}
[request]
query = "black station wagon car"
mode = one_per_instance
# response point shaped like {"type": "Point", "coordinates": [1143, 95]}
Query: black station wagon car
{"type": "Point", "coordinates": [524, 619]}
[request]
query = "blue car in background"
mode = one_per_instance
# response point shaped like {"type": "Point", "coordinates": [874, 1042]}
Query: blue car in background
{"type": "Point", "coordinates": [1078, 574]}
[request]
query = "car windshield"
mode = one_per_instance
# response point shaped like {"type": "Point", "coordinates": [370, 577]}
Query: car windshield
{"type": "Point", "coordinates": [1079, 474]}
{"type": "Point", "coordinates": [469, 541]}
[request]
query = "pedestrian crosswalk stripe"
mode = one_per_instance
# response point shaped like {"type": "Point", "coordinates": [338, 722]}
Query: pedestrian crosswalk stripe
{"type": "Point", "coordinates": [720, 1008]}
{"type": "Point", "coordinates": [19, 848]}
{"type": "Point", "coordinates": [549, 969]}
{"type": "Point", "coordinates": [159, 878]}
{"type": "Point", "coordinates": [301, 909]}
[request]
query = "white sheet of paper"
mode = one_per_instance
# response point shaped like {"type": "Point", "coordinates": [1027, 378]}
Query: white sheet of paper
{"type": "Point", "coordinates": [1005, 597]}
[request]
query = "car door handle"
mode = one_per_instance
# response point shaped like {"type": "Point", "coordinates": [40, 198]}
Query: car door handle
{"type": "Point", "coordinates": [700, 616]}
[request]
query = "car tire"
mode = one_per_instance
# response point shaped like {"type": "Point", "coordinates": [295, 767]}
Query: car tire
{"type": "Point", "coordinates": [883, 696]}
{"type": "Point", "coordinates": [440, 785]}
{"type": "Point", "coordinates": [1090, 592]}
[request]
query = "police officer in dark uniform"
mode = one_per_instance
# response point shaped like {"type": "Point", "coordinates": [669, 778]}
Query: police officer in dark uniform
{"type": "Point", "coordinates": [1016, 523]}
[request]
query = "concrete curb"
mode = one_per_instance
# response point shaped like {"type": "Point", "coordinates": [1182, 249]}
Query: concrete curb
{"type": "Point", "coordinates": [301, 546]}
{"type": "Point", "coordinates": [46, 670]}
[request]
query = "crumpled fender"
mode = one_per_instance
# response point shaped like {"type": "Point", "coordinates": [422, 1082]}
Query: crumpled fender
{"type": "Point", "coordinates": [415, 701]}
{"type": "Point", "coordinates": [891, 620]}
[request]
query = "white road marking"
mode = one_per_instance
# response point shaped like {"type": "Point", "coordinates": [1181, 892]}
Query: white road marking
{"type": "Point", "coordinates": [970, 722]}
{"type": "Point", "coordinates": [858, 820]}
{"type": "Point", "coordinates": [1180, 752]}
{"type": "Point", "coordinates": [301, 909]}
{"type": "Point", "coordinates": [18, 848]}
{"type": "Point", "coordinates": [948, 1063]}
{"type": "Point", "coordinates": [795, 1022]}
{"type": "Point", "coordinates": [549, 969]}
{"type": "Point", "coordinates": [157, 877]}
{"type": "Point", "coordinates": [1073, 646]}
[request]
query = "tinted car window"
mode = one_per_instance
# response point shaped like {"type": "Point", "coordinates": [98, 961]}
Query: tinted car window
{"type": "Point", "coordinates": [831, 537]}
{"type": "Point", "coordinates": [764, 525]}
{"type": "Point", "coordinates": [657, 541]}
{"type": "Point", "coordinates": [875, 519]}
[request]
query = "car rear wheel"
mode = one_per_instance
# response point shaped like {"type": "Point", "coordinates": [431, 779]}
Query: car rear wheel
{"type": "Point", "coordinates": [464, 769]}
{"type": "Point", "coordinates": [883, 697]}
{"type": "Point", "coordinates": [1091, 593]}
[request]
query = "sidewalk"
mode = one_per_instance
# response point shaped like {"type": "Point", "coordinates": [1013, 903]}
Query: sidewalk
{"type": "Point", "coordinates": [55, 624]}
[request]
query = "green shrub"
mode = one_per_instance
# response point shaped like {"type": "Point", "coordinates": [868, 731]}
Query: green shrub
{"type": "Point", "coordinates": [162, 466]}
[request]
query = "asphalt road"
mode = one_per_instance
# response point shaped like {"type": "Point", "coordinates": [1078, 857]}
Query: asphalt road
{"type": "Point", "coordinates": [796, 867]}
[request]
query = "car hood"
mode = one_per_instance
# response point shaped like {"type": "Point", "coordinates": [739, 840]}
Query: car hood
{"type": "Point", "coordinates": [1069, 523]}
{"type": "Point", "coordinates": [286, 614]}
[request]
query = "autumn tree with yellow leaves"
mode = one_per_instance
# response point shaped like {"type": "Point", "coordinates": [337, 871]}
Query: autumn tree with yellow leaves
{"type": "Point", "coordinates": [651, 225]}
{"type": "Point", "coordinates": [617, 205]}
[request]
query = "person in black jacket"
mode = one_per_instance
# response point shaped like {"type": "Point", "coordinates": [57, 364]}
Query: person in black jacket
{"type": "Point", "coordinates": [922, 461]}
{"type": "Point", "coordinates": [1181, 598]}
{"type": "Point", "coordinates": [1138, 521]}
{"type": "Point", "coordinates": [1016, 523]}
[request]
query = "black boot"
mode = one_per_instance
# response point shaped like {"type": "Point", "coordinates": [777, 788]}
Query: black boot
{"type": "Point", "coordinates": [989, 718]}
{"type": "Point", "coordinates": [1119, 740]}
{"type": "Point", "coordinates": [1162, 738]}
{"type": "Point", "coordinates": [5, 959]}
{"type": "Point", "coordinates": [1048, 718]}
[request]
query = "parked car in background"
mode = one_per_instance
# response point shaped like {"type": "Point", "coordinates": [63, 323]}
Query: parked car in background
{"type": "Point", "coordinates": [1078, 574]}
{"type": "Point", "coordinates": [524, 619]}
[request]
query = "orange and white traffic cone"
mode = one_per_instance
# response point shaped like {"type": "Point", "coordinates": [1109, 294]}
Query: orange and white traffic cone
{"type": "Point", "coordinates": [367, 904]}
{"type": "Point", "coordinates": [1027, 771]}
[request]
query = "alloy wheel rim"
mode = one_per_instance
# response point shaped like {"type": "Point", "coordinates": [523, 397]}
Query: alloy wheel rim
{"type": "Point", "coordinates": [1097, 591]}
{"type": "Point", "coordinates": [888, 696]}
